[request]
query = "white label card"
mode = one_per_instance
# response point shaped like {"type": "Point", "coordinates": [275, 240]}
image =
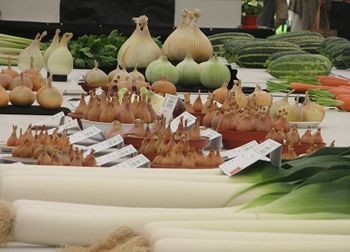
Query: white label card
{"type": "Point", "coordinates": [215, 139]}
{"type": "Point", "coordinates": [135, 162]}
{"type": "Point", "coordinates": [168, 106]}
{"type": "Point", "coordinates": [187, 117]}
{"type": "Point", "coordinates": [52, 119]}
{"type": "Point", "coordinates": [82, 135]}
{"type": "Point", "coordinates": [116, 140]}
{"type": "Point", "coordinates": [239, 150]}
{"type": "Point", "coordinates": [125, 151]}
{"type": "Point", "coordinates": [250, 156]}
{"type": "Point", "coordinates": [239, 163]}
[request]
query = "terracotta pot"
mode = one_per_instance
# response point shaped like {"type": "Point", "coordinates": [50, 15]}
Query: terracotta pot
{"type": "Point", "coordinates": [249, 22]}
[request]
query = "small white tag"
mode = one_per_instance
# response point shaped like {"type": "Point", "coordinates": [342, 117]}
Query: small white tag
{"type": "Point", "coordinates": [135, 162]}
{"type": "Point", "coordinates": [239, 150]}
{"type": "Point", "coordinates": [125, 151]}
{"type": "Point", "coordinates": [168, 106]}
{"type": "Point", "coordinates": [267, 147]}
{"type": "Point", "coordinates": [82, 135]}
{"type": "Point", "coordinates": [215, 138]}
{"type": "Point", "coordinates": [211, 134]}
{"type": "Point", "coordinates": [52, 119]}
{"type": "Point", "coordinates": [68, 125]}
{"type": "Point", "coordinates": [116, 140]}
{"type": "Point", "coordinates": [239, 163]}
{"type": "Point", "coordinates": [187, 117]}
{"type": "Point", "coordinates": [273, 148]}
{"type": "Point", "coordinates": [98, 91]}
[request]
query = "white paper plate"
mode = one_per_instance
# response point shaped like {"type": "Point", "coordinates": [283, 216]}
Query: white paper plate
{"type": "Point", "coordinates": [303, 125]}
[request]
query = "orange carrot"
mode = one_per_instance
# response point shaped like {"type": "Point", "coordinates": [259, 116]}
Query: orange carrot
{"type": "Point", "coordinates": [340, 90]}
{"type": "Point", "coordinates": [346, 102]}
{"type": "Point", "coordinates": [333, 81]}
{"type": "Point", "coordinates": [302, 87]}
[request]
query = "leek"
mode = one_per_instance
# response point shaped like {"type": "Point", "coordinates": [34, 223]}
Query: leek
{"type": "Point", "coordinates": [55, 223]}
{"type": "Point", "coordinates": [310, 224]}
{"type": "Point", "coordinates": [16, 39]}
{"type": "Point", "coordinates": [190, 245]}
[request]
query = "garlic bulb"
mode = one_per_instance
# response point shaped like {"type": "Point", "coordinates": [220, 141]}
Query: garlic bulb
{"type": "Point", "coordinates": [60, 61]}
{"type": "Point", "coordinates": [162, 69]}
{"type": "Point", "coordinates": [53, 46]}
{"type": "Point", "coordinates": [213, 73]}
{"type": "Point", "coordinates": [188, 71]}
{"type": "Point", "coordinates": [188, 38]}
{"type": "Point", "coordinates": [32, 51]}
{"type": "Point", "coordinates": [139, 49]}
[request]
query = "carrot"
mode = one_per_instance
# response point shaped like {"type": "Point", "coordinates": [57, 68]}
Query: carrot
{"type": "Point", "coordinates": [333, 81]}
{"type": "Point", "coordinates": [342, 96]}
{"type": "Point", "coordinates": [302, 87]}
{"type": "Point", "coordinates": [346, 102]}
{"type": "Point", "coordinates": [340, 90]}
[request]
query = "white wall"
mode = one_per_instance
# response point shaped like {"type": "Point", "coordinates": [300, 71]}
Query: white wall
{"type": "Point", "coordinates": [215, 13]}
{"type": "Point", "coordinates": [30, 10]}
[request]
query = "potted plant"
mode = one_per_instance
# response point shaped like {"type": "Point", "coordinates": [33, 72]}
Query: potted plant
{"type": "Point", "coordinates": [250, 11]}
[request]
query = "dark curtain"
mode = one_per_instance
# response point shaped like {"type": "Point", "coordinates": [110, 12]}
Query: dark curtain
{"type": "Point", "coordinates": [119, 13]}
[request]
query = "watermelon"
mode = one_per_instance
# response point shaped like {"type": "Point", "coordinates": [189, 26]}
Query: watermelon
{"type": "Point", "coordinates": [253, 54]}
{"type": "Point", "coordinates": [221, 38]}
{"type": "Point", "coordinates": [306, 64]}
{"type": "Point", "coordinates": [280, 54]}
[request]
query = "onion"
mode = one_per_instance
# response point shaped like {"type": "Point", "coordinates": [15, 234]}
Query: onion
{"type": "Point", "coordinates": [9, 69]}
{"type": "Point", "coordinates": [136, 75]}
{"type": "Point", "coordinates": [188, 71]}
{"type": "Point", "coordinates": [82, 107]}
{"type": "Point", "coordinates": [312, 112]}
{"type": "Point", "coordinates": [96, 77]}
{"type": "Point", "coordinates": [198, 105]}
{"type": "Point", "coordinates": [213, 73]}
{"type": "Point", "coordinates": [4, 97]}
{"type": "Point", "coordinates": [262, 98]}
{"type": "Point", "coordinates": [139, 49]}
{"type": "Point", "coordinates": [107, 113]}
{"type": "Point", "coordinates": [19, 80]}
{"type": "Point", "coordinates": [162, 68]}
{"type": "Point", "coordinates": [32, 51]}
{"type": "Point", "coordinates": [116, 129]}
{"type": "Point", "coordinates": [275, 106]}
{"type": "Point", "coordinates": [5, 79]}
{"type": "Point", "coordinates": [121, 75]}
{"type": "Point", "coordinates": [113, 73]}
{"type": "Point", "coordinates": [22, 95]}
{"type": "Point", "coordinates": [188, 38]}
{"type": "Point", "coordinates": [49, 97]}
{"type": "Point", "coordinates": [163, 86]}
{"type": "Point", "coordinates": [53, 46]}
{"type": "Point", "coordinates": [60, 61]}
{"type": "Point", "coordinates": [240, 98]}
{"type": "Point", "coordinates": [221, 93]}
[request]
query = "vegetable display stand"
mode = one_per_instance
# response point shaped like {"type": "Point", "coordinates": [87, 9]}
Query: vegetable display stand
{"type": "Point", "coordinates": [233, 139]}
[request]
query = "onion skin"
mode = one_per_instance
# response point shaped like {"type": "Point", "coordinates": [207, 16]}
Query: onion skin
{"type": "Point", "coordinates": [4, 97]}
{"type": "Point", "coordinates": [22, 96]}
{"type": "Point", "coordinates": [49, 97]}
{"type": "Point", "coordinates": [164, 86]}
{"type": "Point", "coordinates": [221, 93]}
{"type": "Point", "coordinates": [19, 80]}
{"type": "Point", "coordinates": [5, 79]}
